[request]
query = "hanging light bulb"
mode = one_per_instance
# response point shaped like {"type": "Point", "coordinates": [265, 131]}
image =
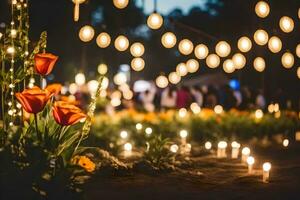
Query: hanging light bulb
{"type": "Point", "coordinates": [261, 37]}
{"type": "Point", "coordinates": [223, 49]}
{"type": "Point", "coordinates": [162, 81]}
{"type": "Point", "coordinates": [80, 79]}
{"type": "Point", "coordinates": [86, 33]}
{"type": "Point", "coordinates": [286, 24]}
{"type": "Point", "coordinates": [201, 51]}
{"type": "Point", "coordinates": [103, 40]}
{"type": "Point", "coordinates": [262, 9]}
{"type": "Point", "coordinates": [298, 72]}
{"type": "Point", "coordinates": [259, 64]}
{"type": "Point", "coordinates": [137, 64]}
{"type": "Point", "coordinates": [185, 47]}
{"type": "Point", "coordinates": [213, 61]}
{"type": "Point", "coordinates": [76, 9]}
{"type": "Point", "coordinates": [275, 44]}
{"type": "Point", "coordinates": [174, 78]}
{"type": "Point", "coordinates": [102, 69]}
{"type": "Point", "coordinates": [155, 21]}
{"type": "Point", "coordinates": [244, 44]}
{"type": "Point", "coordinates": [120, 4]}
{"type": "Point", "coordinates": [192, 65]}
{"type": "Point", "coordinates": [121, 43]}
{"type": "Point", "coordinates": [239, 60]}
{"type": "Point", "coordinates": [181, 69]}
{"type": "Point", "coordinates": [168, 40]}
{"type": "Point", "coordinates": [137, 49]}
{"type": "Point", "coordinates": [287, 60]}
{"type": "Point", "coordinates": [228, 66]}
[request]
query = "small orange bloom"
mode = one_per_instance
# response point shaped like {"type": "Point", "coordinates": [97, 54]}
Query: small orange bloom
{"type": "Point", "coordinates": [44, 63]}
{"type": "Point", "coordinates": [66, 114]}
{"type": "Point", "coordinates": [86, 163]}
{"type": "Point", "coordinates": [54, 88]}
{"type": "Point", "coordinates": [33, 100]}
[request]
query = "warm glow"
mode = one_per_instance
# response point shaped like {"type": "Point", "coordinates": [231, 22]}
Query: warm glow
{"type": "Point", "coordinates": [207, 145]}
{"type": "Point", "coordinates": [182, 112]}
{"type": "Point", "coordinates": [235, 144]}
{"type": "Point", "coordinates": [93, 86]}
{"type": "Point", "coordinates": [286, 24]}
{"type": "Point", "coordinates": [250, 160]}
{"type": "Point", "coordinates": [128, 147]}
{"type": "Point", "coordinates": [218, 109]}
{"type": "Point", "coordinates": [275, 44]}
{"type": "Point", "coordinates": [138, 126]}
{"type": "Point", "coordinates": [137, 49]}
{"type": "Point", "coordinates": [148, 131]}
{"type": "Point", "coordinates": [267, 166]}
{"type": "Point", "coordinates": [103, 40]}
{"type": "Point", "coordinates": [287, 60]}
{"type": "Point", "coordinates": [259, 64]}
{"type": "Point", "coordinates": [223, 49]}
{"type": "Point", "coordinates": [192, 65]}
{"type": "Point", "coordinates": [120, 78]}
{"type": "Point", "coordinates": [181, 69]}
{"type": "Point", "coordinates": [285, 142]}
{"type": "Point", "coordinates": [201, 51]}
{"type": "Point", "coordinates": [185, 47]}
{"type": "Point", "coordinates": [80, 79]}
{"type": "Point", "coordinates": [298, 72]}
{"type": "Point", "coordinates": [174, 148]}
{"type": "Point", "coordinates": [174, 78]}
{"type": "Point", "coordinates": [222, 145]}
{"type": "Point", "coordinates": [261, 37]}
{"type": "Point", "coordinates": [298, 50]}
{"type": "Point", "coordinates": [259, 114]}
{"type": "Point", "coordinates": [183, 133]}
{"type": "Point", "coordinates": [239, 60]}
{"type": "Point", "coordinates": [86, 33]}
{"type": "Point", "coordinates": [137, 64]}
{"type": "Point", "coordinates": [121, 43]}
{"type": "Point", "coordinates": [213, 61]}
{"type": "Point", "coordinates": [244, 44]}
{"type": "Point", "coordinates": [246, 151]}
{"type": "Point", "coordinates": [123, 134]}
{"type": "Point", "coordinates": [120, 3]}
{"type": "Point", "coordinates": [73, 87]}
{"type": "Point", "coordinates": [104, 83]}
{"type": "Point", "coordinates": [228, 66]}
{"type": "Point", "coordinates": [195, 108]}
{"type": "Point", "coordinates": [115, 102]}
{"type": "Point", "coordinates": [162, 81]}
{"type": "Point", "coordinates": [102, 69]}
{"type": "Point", "coordinates": [262, 9]}
{"type": "Point", "coordinates": [155, 21]}
{"type": "Point", "coordinates": [168, 40]}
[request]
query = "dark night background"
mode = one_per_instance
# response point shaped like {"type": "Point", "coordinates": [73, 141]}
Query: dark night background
{"type": "Point", "coordinates": [221, 20]}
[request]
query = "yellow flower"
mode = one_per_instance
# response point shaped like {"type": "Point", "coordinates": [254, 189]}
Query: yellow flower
{"type": "Point", "coordinates": [86, 163]}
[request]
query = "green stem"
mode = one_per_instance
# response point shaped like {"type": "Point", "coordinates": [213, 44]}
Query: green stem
{"type": "Point", "coordinates": [36, 128]}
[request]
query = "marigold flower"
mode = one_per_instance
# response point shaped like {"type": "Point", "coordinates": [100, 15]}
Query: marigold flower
{"type": "Point", "coordinates": [66, 114]}
{"type": "Point", "coordinates": [44, 63]}
{"type": "Point", "coordinates": [86, 163]}
{"type": "Point", "coordinates": [33, 100]}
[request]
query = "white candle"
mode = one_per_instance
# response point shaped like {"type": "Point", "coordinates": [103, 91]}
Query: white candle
{"type": "Point", "coordinates": [250, 161]}
{"type": "Point", "coordinates": [245, 154]}
{"type": "Point", "coordinates": [221, 153]}
{"type": "Point", "coordinates": [266, 172]}
{"type": "Point", "coordinates": [208, 145]}
{"type": "Point", "coordinates": [235, 150]}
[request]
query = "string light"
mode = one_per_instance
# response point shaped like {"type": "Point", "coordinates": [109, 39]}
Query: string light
{"type": "Point", "coordinates": [120, 4]}
{"type": "Point", "coordinates": [120, 78]}
{"type": "Point", "coordinates": [286, 24]}
{"type": "Point", "coordinates": [76, 9]}
{"type": "Point", "coordinates": [262, 9]}
{"type": "Point", "coordinates": [239, 60]}
{"type": "Point", "coordinates": [102, 69]}
{"type": "Point", "coordinates": [201, 51]}
{"type": "Point", "coordinates": [185, 47]}
{"type": "Point", "coordinates": [103, 40]}
{"type": "Point", "coordinates": [86, 33]}
{"type": "Point", "coordinates": [287, 60]}
{"type": "Point", "coordinates": [192, 65]}
{"type": "Point", "coordinates": [259, 64]}
{"type": "Point", "coordinates": [181, 69]}
{"type": "Point", "coordinates": [275, 44]}
{"type": "Point", "coordinates": [121, 43]}
{"type": "Point", "coordinates": [228, 66]}
{"type": "Point", "coordinates": [298, 72]}
{"type": "Point", "coordinates": [168, 40]}
{"type": "Point", "coordinates": [244, 44]}
{"type": "Point", "coordinates": [80, 79]}
{"type": "Point", "coordinates": [223, 49]}
{"type": "Point", "coordinates": [298, 50]}
{"type": "Point", "coordinates": [162, 81]}
{"type": "Point", "coordinates": [155, 21]}
{"type": "Point", "coordinates": [137, 64]}
{"type": "Point", "coordinates": [174, 78]}
{"type": "Point", "coordinates": [213, 61]}
{"type": "Point", "coordinates": [261, 37]}
{"type": "Point", "coordinates": [137, 49]}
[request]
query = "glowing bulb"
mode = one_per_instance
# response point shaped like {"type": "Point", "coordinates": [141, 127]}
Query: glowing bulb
{"type": "Point", "coordinates": [195, 108]}
{"type": "Point", "coordinates": [239, 60]}
{"type": "Point", "coordinates": [275, 44]}
{"type": "Point", "coordinates": [115, 102]}
{"type": "Point", "coordinates": [86, 33]}
{"type": "Point", "coordinates": [223, 49]}
{"type": "Point", "coordinates": [298, 50]}
{"type": "Point", "coordinates": [218, 109]}
{"type": "Point", "coordinates": [174, 148]}
{"type": "Point", "coordinates": [162, 81]}
{"type": "Point", "coordinates": [182, 112]}
{"type": "Point", "coordinates": [137, 64]}
{"type": "Point", "coordinates": [80, 79]}
{"type": "Point", "coordinates": [228, 66]}
{"type": "Point", "coordinates": [285, 142]}
{"type": "Point", "coordinates": [201, 51]}
{"type": "Point", "coordinates": [192, 65]}
{"type": "Point", "coordinates": [137, 49]}
{"type": "Point", "coordinates": [104, 83]}
{"type": "Point", "coordinates": [174, 78]}
{"type": "Point", "coordinates": [262, 9]}
{"type": "Point", "coordinates": [259, 114]}
{"type": "Point", "coordinates": [244, 44]}
{"type": "Point", "coordinates": [102, 69]}
{"type": "Point", "coordinates": [120, 78]}
{"type": "Point", "coordinates": [168, 40]}
{"type": "Point", "coordinates": [250, 160]}
{"type": "Point", "coordinates": [235, 144]}
{"type": "Point", "coordinates": [181, 69]}
{"type": "Point", "coordinates": [120, 4]}
{"type": "Point", "coordinates": [261, 37]}
{"type": "Point", "coordinates": [185, 47]}
{"type": "Point", "coordinates": [222, 145]}
{"type": "Point", "coordinates": [183, 133]}
{"type": "Point", "coordinates": [128, 147]}
{"type": "Point", "coordinates": [103, 40]}
{"type": "Point", "coordinates": [123, 134]}
{"type": "Point", "coordinates": [93, 86]}
{"type": "Point", "coordinates": [213, 61]}
{"type": "Point", "coordinates": [207, 145]}
{"type": "Point", "coordinates": [138, 126]}
{"type": "Point", "coordinates": [287, 60]}
{"type": "Point", "coordinates": [267, 166]}
{"type": "Point", "coordinates": [128, 95]}
{"type": "Point", "coordinates": [155, 21]}
{"type": "Point", "coordinates": [73, 87]}
{"type": "Point", "coordinates": [259, 64]}
{"type": "Point", "coordinates": [286, 24]}
{"type": "Point", "coordinates": [121, 43]}
{"type": "Point", "coordinates": [148, 131]}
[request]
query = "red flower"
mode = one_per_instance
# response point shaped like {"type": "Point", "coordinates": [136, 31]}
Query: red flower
{"type": "Point", "coordinates": [33, 100]}
{"type": "Point", "coordinates": [66, 114]}
{"type": "Point", "coordinates": [54, 88]}
{"type": "Point", "coordinates": [44, 63]}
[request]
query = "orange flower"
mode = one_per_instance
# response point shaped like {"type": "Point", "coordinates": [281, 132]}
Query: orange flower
{"type": "Point", "coordinates": [54, 88]}
{"type": "Point", "coordinates": [44, 63]}
{"type": "Point", "coordinates": [86, 163]}
{"type": "Point", "coordinates": [66, 114]}
{"type": "Point", "coordinates": [70, 99]}
{"type": "Point", "coordinates": [33, 100]}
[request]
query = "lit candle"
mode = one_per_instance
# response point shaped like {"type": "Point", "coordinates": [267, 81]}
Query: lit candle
{"type": "Point", "coordinates": [245, 154]}
{"type": "Point", "coordinates": [221, 153]}
{"type": "Point", "coordinates": [266, 172]}
{"type": "Point", "coordinates": [250, 161]}
{"type": "Point", "coordinates": [208, 145]}
{"type": "Point", "coordinates": [183, 134]}
{"type": "Point", "coordinates": [127, 149]}
{"type": "Point", "coordinates": [235, 150]}
{"type": "Point", "coordinates": [285, 142]}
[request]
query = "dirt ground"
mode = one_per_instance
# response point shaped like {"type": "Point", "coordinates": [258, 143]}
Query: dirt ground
{"type": "Point", "coordinates": [210, 178]}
